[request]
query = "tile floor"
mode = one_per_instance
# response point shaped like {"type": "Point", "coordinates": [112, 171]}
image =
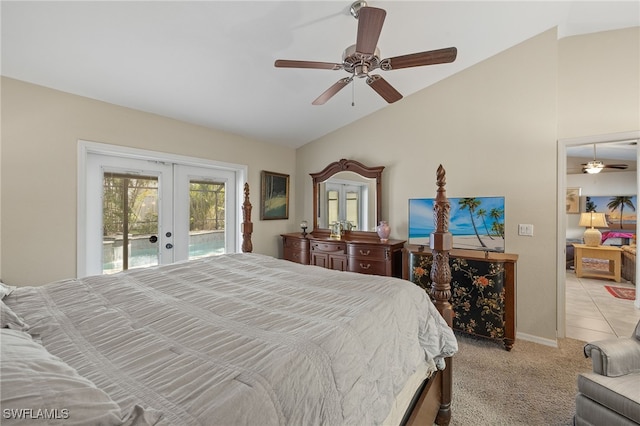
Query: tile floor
{"type": "Point", "coordinates": [593, 313]}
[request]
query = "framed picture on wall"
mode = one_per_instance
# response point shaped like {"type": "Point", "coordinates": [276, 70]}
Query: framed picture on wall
{"type": "Point", "coordinates": [619, 210]}
{"type": "Point", "coordinates": [573, 200]}
{"type": "Point", "coordinates": [274, 196]}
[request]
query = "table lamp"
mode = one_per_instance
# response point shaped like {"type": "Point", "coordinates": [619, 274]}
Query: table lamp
{"type": "Point", "coordinates": [591, 220]}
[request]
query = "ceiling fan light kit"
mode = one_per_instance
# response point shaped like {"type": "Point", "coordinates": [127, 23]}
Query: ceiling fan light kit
{"type": "Point", "coordinates": [364, 57]}
{"type": "Point", "coordinates": [595, 166]}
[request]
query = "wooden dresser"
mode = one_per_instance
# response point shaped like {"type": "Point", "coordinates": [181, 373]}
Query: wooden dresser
{"type": "Point", "coordinates": [354, 252]}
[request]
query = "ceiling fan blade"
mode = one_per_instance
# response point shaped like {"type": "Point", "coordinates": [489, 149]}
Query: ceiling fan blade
{"type": "Point", "coordinates": [383, 88]}
{"type": "Point", "coordinates": [285, 63]}
{"type": "Point", "coordinates": [370, 20]}
{"type": "Point", "coordinates": [431, 57]}
{"type": "Point", "coordinates": [328, 94]}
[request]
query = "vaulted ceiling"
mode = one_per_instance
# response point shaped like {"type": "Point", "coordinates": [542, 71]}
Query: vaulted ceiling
{"type": "Point", "coordinates": [212, 62]}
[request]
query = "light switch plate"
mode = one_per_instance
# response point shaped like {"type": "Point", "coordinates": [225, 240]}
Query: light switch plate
{"type": "Point", "coordinates": [525, 229]}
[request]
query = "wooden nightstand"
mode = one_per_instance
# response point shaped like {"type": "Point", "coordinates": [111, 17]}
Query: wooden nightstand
{"type": "Point", "coordinates": [612, 254]}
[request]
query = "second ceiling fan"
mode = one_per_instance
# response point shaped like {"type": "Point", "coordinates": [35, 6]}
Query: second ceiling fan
{"type": "Point", "coordinates": [364, 56]}
{"type": "Point", "coordinates": [596, 166]}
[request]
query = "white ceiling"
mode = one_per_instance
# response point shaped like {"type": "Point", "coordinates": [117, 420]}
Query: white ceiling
{"type": "Point", "coordinates": [211, 62]}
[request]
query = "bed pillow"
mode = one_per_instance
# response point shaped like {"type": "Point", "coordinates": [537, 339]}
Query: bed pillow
{"type": "Point", "coordinates": [38, 386]}
{"type": "Point", "coordinates": [9, 319]}
{"type": "Point", "coordinates": [5, 290]}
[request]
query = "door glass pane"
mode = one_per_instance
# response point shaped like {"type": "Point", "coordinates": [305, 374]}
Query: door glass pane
{"type": "Point", "coordinates": [353, 213]}
{"type": "Point", "coordinates": [130, 222]}
{"type": "Point", "coordinates": [206, 218]}
{"type": "Point", "coordinates": [333, 214]}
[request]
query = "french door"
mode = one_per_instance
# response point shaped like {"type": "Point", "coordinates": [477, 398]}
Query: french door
{"type": "Point", "coordinates": [142, 212]}
{"type": "Point", "coordinates": [344, 203]}
{"type": "Point", "coordinates": [205, 206]}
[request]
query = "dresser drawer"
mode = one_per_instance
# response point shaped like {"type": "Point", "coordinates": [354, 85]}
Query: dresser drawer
{"type": "Point", "coordinates": [296, 255]}
{"type": "Point", "coordinates": [366, 252]}
{"type": "Point", "coordinates": [295, 248]}
{"type": "Point", "coordinates": [295, 243]}
{"type": "Point", "coordinates": [329, 247]}
{"type": "Point", "coordinates": [366, 266]}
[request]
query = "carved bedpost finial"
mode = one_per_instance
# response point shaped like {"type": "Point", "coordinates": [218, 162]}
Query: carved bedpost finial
{"type": "Point", "coordinates": [441, 242]}
{"type": "Point", "coordinates": [247, 226]}
{"type": "Point", "coordinates": [441, 178]}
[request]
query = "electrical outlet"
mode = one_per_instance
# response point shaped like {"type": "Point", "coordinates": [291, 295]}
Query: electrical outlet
{"type": "Point", "coordinates": [525, 229]}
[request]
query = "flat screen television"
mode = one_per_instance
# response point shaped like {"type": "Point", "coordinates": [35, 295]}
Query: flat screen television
{"type": "Point", "coordinates": [476, 223]}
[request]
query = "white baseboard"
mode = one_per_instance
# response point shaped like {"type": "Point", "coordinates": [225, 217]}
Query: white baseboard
{"type": "Point", "coordinates": [537, 339]}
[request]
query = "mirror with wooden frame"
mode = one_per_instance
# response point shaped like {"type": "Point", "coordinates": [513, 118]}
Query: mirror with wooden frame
{"type": "Point", "coordinates": [349, 192]}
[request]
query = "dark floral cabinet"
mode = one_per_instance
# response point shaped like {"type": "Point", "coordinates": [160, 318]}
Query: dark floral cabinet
{"type": "Point", "coordinates": [482, 289]}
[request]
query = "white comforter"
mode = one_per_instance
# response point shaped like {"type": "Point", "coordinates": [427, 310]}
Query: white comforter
{"type": "Point", "coordinates": [241, 339]}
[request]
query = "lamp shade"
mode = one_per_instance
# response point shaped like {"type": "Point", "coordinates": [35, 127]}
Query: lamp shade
{"type": "Point", "coordinates": [593, 220]}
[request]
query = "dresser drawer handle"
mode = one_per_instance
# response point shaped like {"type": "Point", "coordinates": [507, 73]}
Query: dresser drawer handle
{"type": "Point", "coordinates": [365, 253]}
{"type": "Point", "coordinates": [365, 267]}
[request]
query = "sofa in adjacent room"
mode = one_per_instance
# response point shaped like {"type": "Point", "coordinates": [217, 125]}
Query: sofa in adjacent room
{"type": "Point", "coordinates": [628, 271]}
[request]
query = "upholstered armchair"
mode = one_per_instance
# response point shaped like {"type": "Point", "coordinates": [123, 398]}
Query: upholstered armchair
{"type": "Point", "coordinates": [610, 395]}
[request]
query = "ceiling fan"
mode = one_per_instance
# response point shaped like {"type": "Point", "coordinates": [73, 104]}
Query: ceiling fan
{"type": "Point", "coordinates": [596, 166]}
{"type": "Point", "coordinates": [364, 56]}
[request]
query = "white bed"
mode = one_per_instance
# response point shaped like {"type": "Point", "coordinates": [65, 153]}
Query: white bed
{"type": "Point", "coordinates": [227, 340]}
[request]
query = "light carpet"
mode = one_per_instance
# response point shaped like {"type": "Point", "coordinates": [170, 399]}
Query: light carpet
{"type": "Point", "coordinates": [533, 384]}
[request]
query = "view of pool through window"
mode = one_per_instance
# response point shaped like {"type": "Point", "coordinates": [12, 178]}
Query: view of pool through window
{"type": "Point", "coordinates": [130, 221]}
{"type": "Point", "coordinates": [207, 218]}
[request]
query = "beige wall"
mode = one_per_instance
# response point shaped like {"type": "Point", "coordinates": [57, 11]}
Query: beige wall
{"type": "Point", "coordinates": [494, 127]}
{"type": "Point", "coordinates": [599, 83]}
{"type": "Point", "coordinates": [40, 130]}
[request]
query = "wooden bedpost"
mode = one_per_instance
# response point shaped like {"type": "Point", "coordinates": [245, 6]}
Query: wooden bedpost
{"type": "Point", "coordinates": [247, 226]}
{"type": "Point", "coordinates": [441, 242]}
